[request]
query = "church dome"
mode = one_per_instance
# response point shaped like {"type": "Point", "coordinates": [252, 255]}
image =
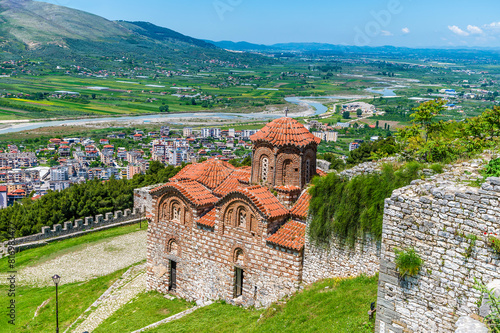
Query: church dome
{"type": "Point", "coordinates": [285, 131]}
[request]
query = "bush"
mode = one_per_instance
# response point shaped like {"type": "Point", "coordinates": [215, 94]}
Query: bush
{"type": "Point", "coordinates": [352, 208]}
{"type": "Point", "coordinates": [408, 262]}
{"type": "Point", "coordinates": [492, 169]}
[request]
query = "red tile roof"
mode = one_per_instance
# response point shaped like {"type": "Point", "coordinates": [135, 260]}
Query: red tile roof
{"type": "Point", "coordinates": [291, 235]}
{"type": "Point", "coordinates": [321, 173]}
{"type": "Point", "coordinates": [287, 188]}
{"type": "Point", "coordinates": [208, 219]}
{"type": "Point", "coordinates": [3, 188]}
{"type": "Point", "coordinates": [191, 171]}
{"type": "Point", "coordinates": [264, 200]}
{"type": "Point", "coordinates": [198, 194]}
{"type": "Point", "coordinates": [285, 131]}
{"type": "Point", "coordinates": [301, 207]}
{"type": "Point", "coordinates": [214, 173]}
{"type": "Point", "coordinates": [230, 184]}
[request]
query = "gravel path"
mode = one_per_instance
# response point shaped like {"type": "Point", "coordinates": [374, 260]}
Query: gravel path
{"type": "Point", "coordinates": [132, 283]}
{"type": "Point", "coordinates": [93, 261]}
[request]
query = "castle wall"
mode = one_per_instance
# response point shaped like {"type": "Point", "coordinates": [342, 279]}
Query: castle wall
{"type": "Point", "coordinates": [71, 229]}
{"type": "Point", "coordinates": [340, 261]}
{"type": "Point", "coordinates": [439, 218]}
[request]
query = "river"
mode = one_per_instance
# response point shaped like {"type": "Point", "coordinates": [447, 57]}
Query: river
{"type": "Point", "coordinates": [320, 109]}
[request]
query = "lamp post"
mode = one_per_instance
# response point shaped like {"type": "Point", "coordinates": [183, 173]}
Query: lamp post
{"type": "Point", "coordinates": [56, 278]}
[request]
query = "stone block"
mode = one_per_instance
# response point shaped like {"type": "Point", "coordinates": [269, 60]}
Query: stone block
{"type": "Point", "coordinates": [78, 224]}
{"type": "Point", "coordinates": [68, 226]}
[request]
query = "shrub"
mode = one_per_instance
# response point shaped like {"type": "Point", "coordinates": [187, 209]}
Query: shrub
{"type": "Point", "coordinates": [352, 208]}
{"type": "Point", "coordinates": [492, 169]}
{"type": "Point", "coordinates": [408, 262]}
{"type": "Point", "coordinates": [437, 168]}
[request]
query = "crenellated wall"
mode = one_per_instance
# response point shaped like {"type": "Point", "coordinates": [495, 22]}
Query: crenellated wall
{"type": "Point", "coordinates": [71, 228]}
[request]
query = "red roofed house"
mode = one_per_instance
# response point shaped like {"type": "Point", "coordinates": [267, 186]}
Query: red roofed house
{"type": "Point", "coordinates": [219, 232]}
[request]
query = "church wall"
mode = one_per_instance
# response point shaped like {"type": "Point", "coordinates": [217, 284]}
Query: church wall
{"type": "Point", "coordinates": [206, 262]}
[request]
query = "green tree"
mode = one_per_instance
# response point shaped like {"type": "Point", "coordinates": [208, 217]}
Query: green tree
{"type": "Point", "coordinates": [346, 115]}
{"type": "Point", "coordinates": [425, 116]}
{"type": "Point", "coordinates": [359, 112]}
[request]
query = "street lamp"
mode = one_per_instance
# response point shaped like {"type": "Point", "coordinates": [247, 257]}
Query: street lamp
{"type": "Point", "coordinates": [56, 278]}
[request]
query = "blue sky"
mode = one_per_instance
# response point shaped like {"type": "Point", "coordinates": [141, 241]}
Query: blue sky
{"type": "Point", "coordinates": [413, 23]}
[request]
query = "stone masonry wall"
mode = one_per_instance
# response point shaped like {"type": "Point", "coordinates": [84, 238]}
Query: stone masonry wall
{"type": "Point", "coordinates": [439, 218]}
{"type": "Point", "coordinates": [340, 261]}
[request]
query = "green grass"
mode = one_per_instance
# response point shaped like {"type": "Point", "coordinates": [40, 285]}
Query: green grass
{"type": "Point", "coordinates": [74, 298]}
{"type": "Point", "coordinates": [37, 255]}
{"type": "Point", "coordinates": [145, 309]}
{"type": "Point", "coordinates": [327, 306]}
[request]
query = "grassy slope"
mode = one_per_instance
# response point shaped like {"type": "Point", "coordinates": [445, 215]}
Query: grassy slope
{"type": "Point", "coordinates": [327, 306]}
{"type": "Point", "coordinates": [52, 250]}
{"type": "Point", "coordinates": [158, 308]}
{"type": "Point", "coordinates": [73, 300]}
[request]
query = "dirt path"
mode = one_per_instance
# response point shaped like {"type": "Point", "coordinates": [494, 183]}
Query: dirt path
{"type": "Point", "coordinates": [94, 260]}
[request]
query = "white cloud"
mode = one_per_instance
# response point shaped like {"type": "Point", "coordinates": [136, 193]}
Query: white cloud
{"type": "Point", "coordinates": [405, 30]}
{"type": "Point", "coordinates": [457, 30]}
{"type": "Point", "coordinates": [386, 33]}
{"type": "Point", "coordinates": [474, 30]}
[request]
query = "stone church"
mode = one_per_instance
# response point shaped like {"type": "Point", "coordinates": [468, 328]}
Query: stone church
{"type": "Point", "coordinates": [238, 234]}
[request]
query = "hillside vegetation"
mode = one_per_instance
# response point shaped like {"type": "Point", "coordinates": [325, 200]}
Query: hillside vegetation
{"type": "Point", "coordinates": [353, 208]}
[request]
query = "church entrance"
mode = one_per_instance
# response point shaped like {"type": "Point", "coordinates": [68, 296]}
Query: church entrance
{"type": "Point", "coordinates": [238, 282]}
{"type": "Point", "coordinates": [173, 276]}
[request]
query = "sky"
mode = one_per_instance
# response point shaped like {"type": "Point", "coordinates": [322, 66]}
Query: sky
{"type": "Point", "coordinates": [411, 23]}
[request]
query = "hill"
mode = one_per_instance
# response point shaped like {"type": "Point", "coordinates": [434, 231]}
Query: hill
{"type": "Point", "coordinates": [42, 31]}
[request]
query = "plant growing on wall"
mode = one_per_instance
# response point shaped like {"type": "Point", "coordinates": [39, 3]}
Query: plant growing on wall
{"type": "Point", "coordinates": [493, 318]}
{"type": "Point", "coordinates": [494, 243]}
{"type": "Point", "coordinates": [408, 262]}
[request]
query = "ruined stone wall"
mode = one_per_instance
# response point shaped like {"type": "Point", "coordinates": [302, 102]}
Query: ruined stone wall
{"type": "Point", "coordinates": [142, 198]}
{"type": "Point", "coordinates": [340, 261]}
{"type": "Point", "coordinates": [439, 218]}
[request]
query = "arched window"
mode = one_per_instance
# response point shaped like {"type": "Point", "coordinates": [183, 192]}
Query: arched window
{"type": "Point", "coordinates": [228, 218]}
{"type": "Point", "coordinates": [173, 247]}
{"type": "Point", "coordinates": [176, 212]}
{"type": "Point", "coordinates": [287, 172]}
{"type": "Point", "coordinates": [239, 257]}
{"type": "Point", "coordinates": [264, 169]}
{"type": "Point", "coordinates": [308, 171]}
{"type": "Point", "coordinates": [242, 217]}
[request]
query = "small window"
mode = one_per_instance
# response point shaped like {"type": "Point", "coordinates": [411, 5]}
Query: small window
{"type": "Point", "coordinates": [238, 282]}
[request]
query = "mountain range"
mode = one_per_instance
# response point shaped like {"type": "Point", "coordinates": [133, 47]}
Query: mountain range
{"type": "Point", "coordinates": [32, 29]}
